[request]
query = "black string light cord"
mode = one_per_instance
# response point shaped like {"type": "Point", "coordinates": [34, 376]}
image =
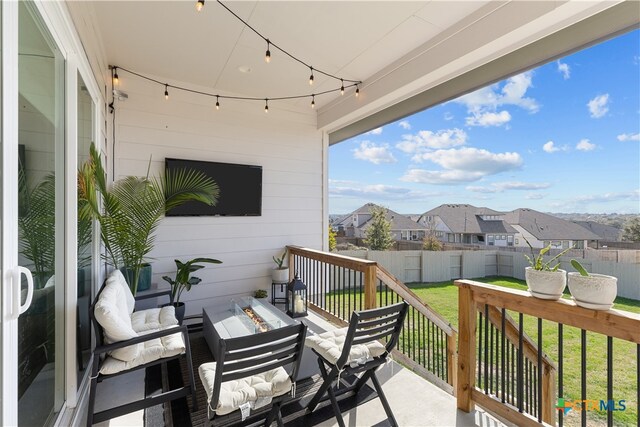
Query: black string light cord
{"type": "Point", "coordinates": [167, 86]}
{"type": "Point", "coordinates": [270, 43]}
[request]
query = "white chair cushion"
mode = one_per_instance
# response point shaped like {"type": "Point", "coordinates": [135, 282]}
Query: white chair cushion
{"type": "Point", "coordinates": [155, 349]}
{"type": "Point", "coordinates": [117, 277]}
{"type": "Point", "coordinates": [329, 345]}
{"type": "Point", "coordinates": [154, 319]}
{"type": "Point", "coordinates": [264, 386]}
{"type": "Point", "coordinates": [112, 314]}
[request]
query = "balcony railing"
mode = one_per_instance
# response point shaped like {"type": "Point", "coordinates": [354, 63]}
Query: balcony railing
{"type": "Point", "coordinates": [500, 378]}
{"type": "Point", "coordinates": [338, 285]}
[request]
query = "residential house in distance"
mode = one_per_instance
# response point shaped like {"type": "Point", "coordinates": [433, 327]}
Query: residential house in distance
{"type": "Point", "coordinates": [542, 230]}
{"type": "Point", "coordinates": [462, 223]}
{"type": "Point", "coordinates": [356, 223]}
{"type": "Point", "coordinates": [607, 233]}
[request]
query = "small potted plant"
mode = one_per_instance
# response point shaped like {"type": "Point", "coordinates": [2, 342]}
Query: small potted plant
{"type": "Point", "coordinates": [544, 278]}
{"type": "Point", "coordinates": [280, 274]}
{"type": "Point", "coordinates": [184, 281]}
{"type": "Point", "coordinates": [595, 291]}
{"type": "Point", "coordinates": [260, 293]}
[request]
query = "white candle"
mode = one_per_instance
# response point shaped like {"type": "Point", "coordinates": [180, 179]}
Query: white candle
{"type": "Point", "coordinates": [298, 304]}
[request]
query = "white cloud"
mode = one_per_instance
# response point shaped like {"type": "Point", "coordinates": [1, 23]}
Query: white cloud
{"type": "Point", "coordinates": [608, 197]}
{"type": "Point", "coordinates": [424, 141]}
{"type": "Point", "coordinates": [550, 147]}
{"type": "Point", "coordinates": [598, 106]}
{"type": "Point", "coordinates": [564, 69]}
{"type": "Point", "coordinates": [585, 145]}
{"type": "Point", "coordinates": [373, 153]}
{"type": "Point", "coordinates": [448, 116]}
{"type": "Point", "coordinates": [629, 137]}
{"type": "Point", "coordinates": [534, 196]}
{"type": "Point", "coordinates": [405, 125]}
{"type": "Point", "coordinates": [498, 187]}
{"type": "Point", "coordinates": [376, 131]}
{"type": "Point", "coordinates": [377, 192]}
{"type": "Point", "coordinates": [463, 165]}
{"type": "Point", "coordinates": [488, 118]}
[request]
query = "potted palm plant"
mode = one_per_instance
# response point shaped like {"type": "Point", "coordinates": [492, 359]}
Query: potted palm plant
{"type": "Point", "coordinates": [184, 281]}
{"type": "Point", "coordinates": [590, 290]}
{"type": "Point", "coordinates": [545, 279]}
{"type": "Point", "coordinates": [130, 210]}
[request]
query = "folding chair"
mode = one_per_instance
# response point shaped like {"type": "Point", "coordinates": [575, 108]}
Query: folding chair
{"type": "Point", "coordinates": [251, 372]}
{"type": "Point", "coordinates": [357, 349]}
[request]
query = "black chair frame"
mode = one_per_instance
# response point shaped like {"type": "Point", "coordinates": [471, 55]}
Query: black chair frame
{"type": "Point", "coordinates": [242, 357]}
{"type": "Point", "coordinates": [364, 326]}
{"type": "Point", "coordinates": [101, 349]}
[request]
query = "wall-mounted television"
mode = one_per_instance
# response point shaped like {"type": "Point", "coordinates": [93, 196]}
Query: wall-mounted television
{"type": "Point", "coordinates": [240, 189]}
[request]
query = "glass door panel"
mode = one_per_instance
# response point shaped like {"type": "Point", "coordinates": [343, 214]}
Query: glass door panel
{"type": "Point", "coordinates": [40, 220]}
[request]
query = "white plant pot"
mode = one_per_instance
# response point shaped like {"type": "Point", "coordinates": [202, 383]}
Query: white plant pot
{"type": "Point", "coordinates": [280, 275]}
{"type": "Point", "coordinates": [596, 291]}
{"type": "Point", "coordinates": [546, 284]}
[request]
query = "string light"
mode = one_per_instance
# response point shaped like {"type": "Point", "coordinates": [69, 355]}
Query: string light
{"type": "Point", "coordinates": [115, 76]}
{"type": "Point", "coordinates": [267, 55]}
{"type": "Point", "coordinates": [311, 76]}
{"type": "Point", "coordinates": [341, 87]}
{"type": "Point", "coordinates": [218, 97]}
{"type": "Point", "coordinates": [313, 101]}
{"type": "Point", "coordinates": [357, 90]}
{"type": "Point", "coordinates": [266, 105]}
{"type": "Point", "coordinates": [199, 5]}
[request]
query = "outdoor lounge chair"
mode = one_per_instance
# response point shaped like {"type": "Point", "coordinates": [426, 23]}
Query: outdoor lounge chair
{"type": "Point", "coordinates": [127, 340]}
{"type": "Point", "coordinates": [251, 372]}
{"type": "Point", "coordinates": [357, 349]}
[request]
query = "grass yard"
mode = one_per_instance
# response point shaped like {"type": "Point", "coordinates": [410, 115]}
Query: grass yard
{"type": "Point", "coordinates": [443, 297]}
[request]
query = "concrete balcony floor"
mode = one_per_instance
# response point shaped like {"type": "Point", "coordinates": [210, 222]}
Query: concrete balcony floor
{"type": "Point", "coordinates": [414, 400]}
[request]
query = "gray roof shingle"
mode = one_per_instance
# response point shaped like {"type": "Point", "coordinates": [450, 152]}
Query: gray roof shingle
{"type": "Point", "coordinates": [547, 227]}
{"type": "Point", "coordinates": [463, 218]}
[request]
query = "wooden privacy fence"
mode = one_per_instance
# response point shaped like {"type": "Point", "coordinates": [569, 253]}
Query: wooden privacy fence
{"type": "Point", "coordinates": [502, 384]}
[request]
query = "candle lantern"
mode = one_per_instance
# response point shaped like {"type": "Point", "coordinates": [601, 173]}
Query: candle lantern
{"type": "Point", "coordinates": [296, 298]}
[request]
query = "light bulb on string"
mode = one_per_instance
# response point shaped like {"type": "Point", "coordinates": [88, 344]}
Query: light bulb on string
{"type": "Point", "coordinates": [217, 102]}
{"type": "Point", "coordinates": [311, 76]}
{"type": "Point", "coordinates": [267, 55]}
{"type": "Point", "coordinates": [357, 90]}
{"type": "Point", "coordinates": [341, 87]}
{"type": "Point", "coordinates": [313, 101]}
{"type": "Point", "coordinates": [115, 76]}
{"type": "Point", "coordinates": [166, 91]}
{"type": "Point", "coordinates": [199, 5]}
{"type": "Point", "coordinates": [266, 105]}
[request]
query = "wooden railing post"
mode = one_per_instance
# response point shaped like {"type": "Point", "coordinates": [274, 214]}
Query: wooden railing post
{"type": "Point", "coordinates": [370, 287]}
{"type": "Point", "coordinates": [466, 348]}
{"type": "Point", "coordinates": [452, 360]}
{"type": "Point", "coordinates": [290, 263]}
{"type": "Point", "coordinates": [548, 394]}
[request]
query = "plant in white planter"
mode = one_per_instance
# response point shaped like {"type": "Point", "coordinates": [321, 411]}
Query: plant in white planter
{"type": "Point", "coordinates": [184, 281]}
{"type": "Point", "coordinates": [595, 291]}
{"type": "Point", "coordinates": [280, 274]}
{"type": "Point", "coordinates": [545, 279]}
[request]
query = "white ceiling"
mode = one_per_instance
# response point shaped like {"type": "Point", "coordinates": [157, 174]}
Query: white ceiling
{"type": "Point", "coordinates": [353, 39]}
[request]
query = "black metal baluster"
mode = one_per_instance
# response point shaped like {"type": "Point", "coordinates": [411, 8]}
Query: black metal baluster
{"type": "Point", "coordinates": [514, 374]}
{"type": "Point", "coordinates": [520, 381]}
{"type": "Point", "coordinates": [507, 365]}
{"type": "Point", "coordinates": [610, 381]}
{"type": "Point", "coordinates": [560, 372]}
{"type": "Point", "coordinates": [491, 364]}
{"type": "Point", "coordinates": [539, 406]}
{"type": "Point", "coordinates": [434, 347]}
{"type": "Point", "coordinates": [502, 361]}
{"type": "Point", "coordinates": [348, 291]}
{"type": "Point", "coordinates": [424, 342]}
{"type": "Point", "coordinates": [486, 348]}
{"type": "Point", "coordinates": [361, 289]}
{"type": "Point", "coordinates": [583, 374]}
{"type": "Point", "coordinates": [480, 328]}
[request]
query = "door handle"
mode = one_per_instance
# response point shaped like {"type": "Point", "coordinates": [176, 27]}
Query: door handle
{"type": "Point", "coordinates": [18, 308]}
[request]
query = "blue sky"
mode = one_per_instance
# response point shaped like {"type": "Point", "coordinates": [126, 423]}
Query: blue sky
{"type": "Point", "coordinates": [564, 137]}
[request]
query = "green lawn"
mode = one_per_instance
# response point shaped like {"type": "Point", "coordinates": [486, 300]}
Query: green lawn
{"type": "Point", "coordinates": [443, 297]}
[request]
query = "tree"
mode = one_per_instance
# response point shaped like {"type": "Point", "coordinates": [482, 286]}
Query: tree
{"type": "Point", "coordinates": [332, 240]}
{"type": "Point", "coordinates": [430, 241]}
{"type": "Point", "coordinates": [378, 235]}
{"type": "Point", "coordinates": [632, 230]}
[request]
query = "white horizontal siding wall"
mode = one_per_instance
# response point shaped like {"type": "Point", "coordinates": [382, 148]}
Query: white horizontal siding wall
{"type": "Point", "coordinates": [285, 143]}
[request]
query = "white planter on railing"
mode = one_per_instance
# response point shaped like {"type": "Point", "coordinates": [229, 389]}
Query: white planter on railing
{"type": "Point", "coordinates": [546, 284]}
{"type": "Point", "coordinates": [595, 291]}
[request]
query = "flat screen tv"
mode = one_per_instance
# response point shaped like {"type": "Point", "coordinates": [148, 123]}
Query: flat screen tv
{"type": "Point", "coordinates": [240, 189]}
